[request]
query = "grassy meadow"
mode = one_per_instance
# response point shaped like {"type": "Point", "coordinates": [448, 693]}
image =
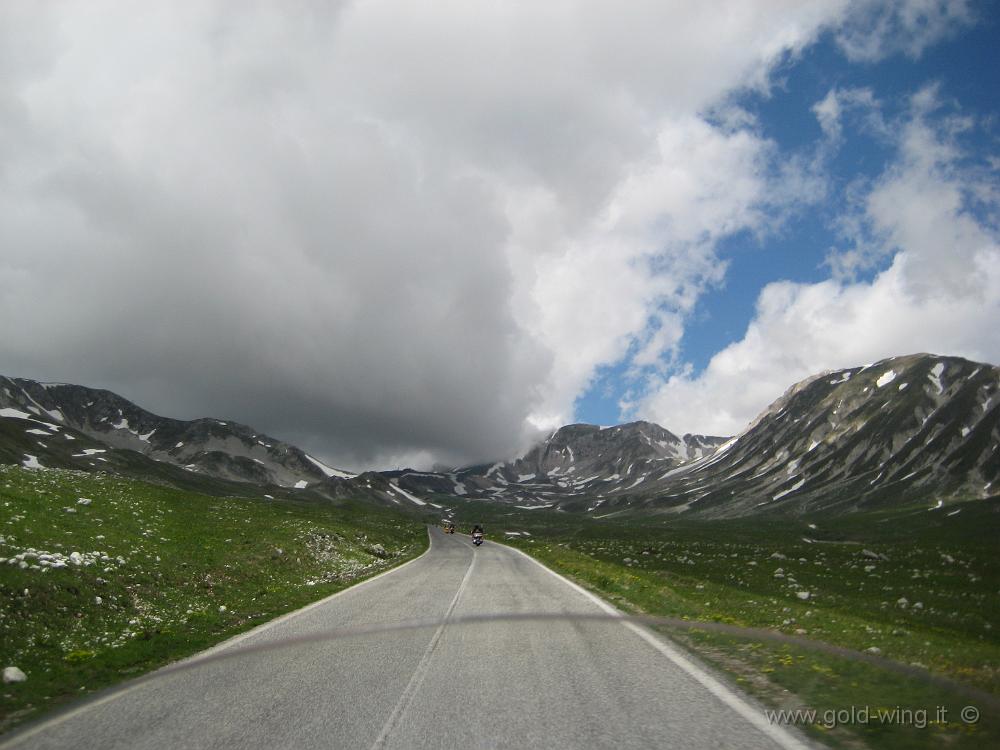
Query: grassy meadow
{"type": "Point", "coordinates": [104, 577]}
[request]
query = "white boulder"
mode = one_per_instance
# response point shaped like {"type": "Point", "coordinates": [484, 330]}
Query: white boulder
{"type": "Point", "coordinates": [13, 674]}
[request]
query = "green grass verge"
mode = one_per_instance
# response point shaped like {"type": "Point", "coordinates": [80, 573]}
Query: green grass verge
{"type": "Point", "coordinates": [104, 578]}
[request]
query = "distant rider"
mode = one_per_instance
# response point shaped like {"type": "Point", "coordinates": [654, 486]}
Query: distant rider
{"type": "Point", "coordinates": [477, 529]}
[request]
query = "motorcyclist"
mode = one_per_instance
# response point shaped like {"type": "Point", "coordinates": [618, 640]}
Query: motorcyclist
{"type": "Point", "coordinates": [477, 529]}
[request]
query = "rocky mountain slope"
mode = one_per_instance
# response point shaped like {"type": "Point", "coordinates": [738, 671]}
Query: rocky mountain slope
{"type": "Point", "coordinates": [903, 430]}
{"type": "Point", "coordinates": [919, 429]}
{"type": "Point", "coordinates": [71, 426]}
{"type": "Point", "coordinates": [908, 429]}
{"type": "Point", "coordinates": [576, 461]}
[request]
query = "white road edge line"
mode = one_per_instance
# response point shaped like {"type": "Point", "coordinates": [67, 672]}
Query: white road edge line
{"type": "Point", "coordinates": [408, 694]}
{"type": "Point", "coordinates": [780, 735]}
{"type": "Point", "coordinates": [18, 739]}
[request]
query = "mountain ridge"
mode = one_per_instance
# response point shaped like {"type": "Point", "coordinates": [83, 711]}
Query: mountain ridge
{"type": "Point", "coordinates": [841, 439]}
{"type": "Point", "coordinates": [217, 448]}
{"type": "Point", "coordinates": [900, 430]}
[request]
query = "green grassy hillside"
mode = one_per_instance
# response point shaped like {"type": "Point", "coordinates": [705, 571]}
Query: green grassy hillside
{"type": "Point", "coordinates": [105, 577]}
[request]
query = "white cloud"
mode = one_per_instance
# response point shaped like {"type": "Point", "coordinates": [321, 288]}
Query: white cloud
{"type": "Point", "coordinates": [941, 292]}
{"type": "Point", "coordinates": [627, 277]}
{"type": "Point", "coordinates": [838, 103]}
{"type": "Point", "coordinates": [879, 28]}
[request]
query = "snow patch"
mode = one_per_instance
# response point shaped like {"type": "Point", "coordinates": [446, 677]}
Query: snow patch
{"type": "Point", "coordinates": [407, 495]}
{"type": "Point", "coordinates": [328, 471]}
{"type": "Point", "coordinates": [886, 378]}
{"type": "Point", "coordinates": [935, 376]}
{"type": "Point", "coordinates": [637, 482]}
{"type": "Point", "coordinates": [790, 490]}
{"type": "Point", "coordinates": [14, 414]}
{"type": "Point", "coordinates": [31, 462]}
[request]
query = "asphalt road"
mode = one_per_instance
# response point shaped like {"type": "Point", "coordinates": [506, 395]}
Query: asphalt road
{"type": "Point", "coordinates": [552, 683]}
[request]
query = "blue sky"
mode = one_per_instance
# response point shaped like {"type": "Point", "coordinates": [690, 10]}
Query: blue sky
{"type": "Point", "coordinates": [966, 70]}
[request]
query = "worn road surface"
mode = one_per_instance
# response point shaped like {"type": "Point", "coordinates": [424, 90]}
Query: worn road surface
{"type": "Point", "coordinates": [546, 683]}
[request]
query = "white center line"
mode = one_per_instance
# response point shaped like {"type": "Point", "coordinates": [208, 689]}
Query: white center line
{"type": "Point", "coordinates": [421, 671]}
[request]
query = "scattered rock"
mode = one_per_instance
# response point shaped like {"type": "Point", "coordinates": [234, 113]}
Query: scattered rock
{"type": "Point", "coordinates": [903, 602]}
{"type": "Point", "coordinates": [803, 595]}
{"type": "Point", "coordinates": [84, 501]}
{"type": "Point", "coordinates": [874, 650]}
{"type": "Point", "coordinates": [13, 674]}
{"type": "Point", "coordinates": [778, 556]}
